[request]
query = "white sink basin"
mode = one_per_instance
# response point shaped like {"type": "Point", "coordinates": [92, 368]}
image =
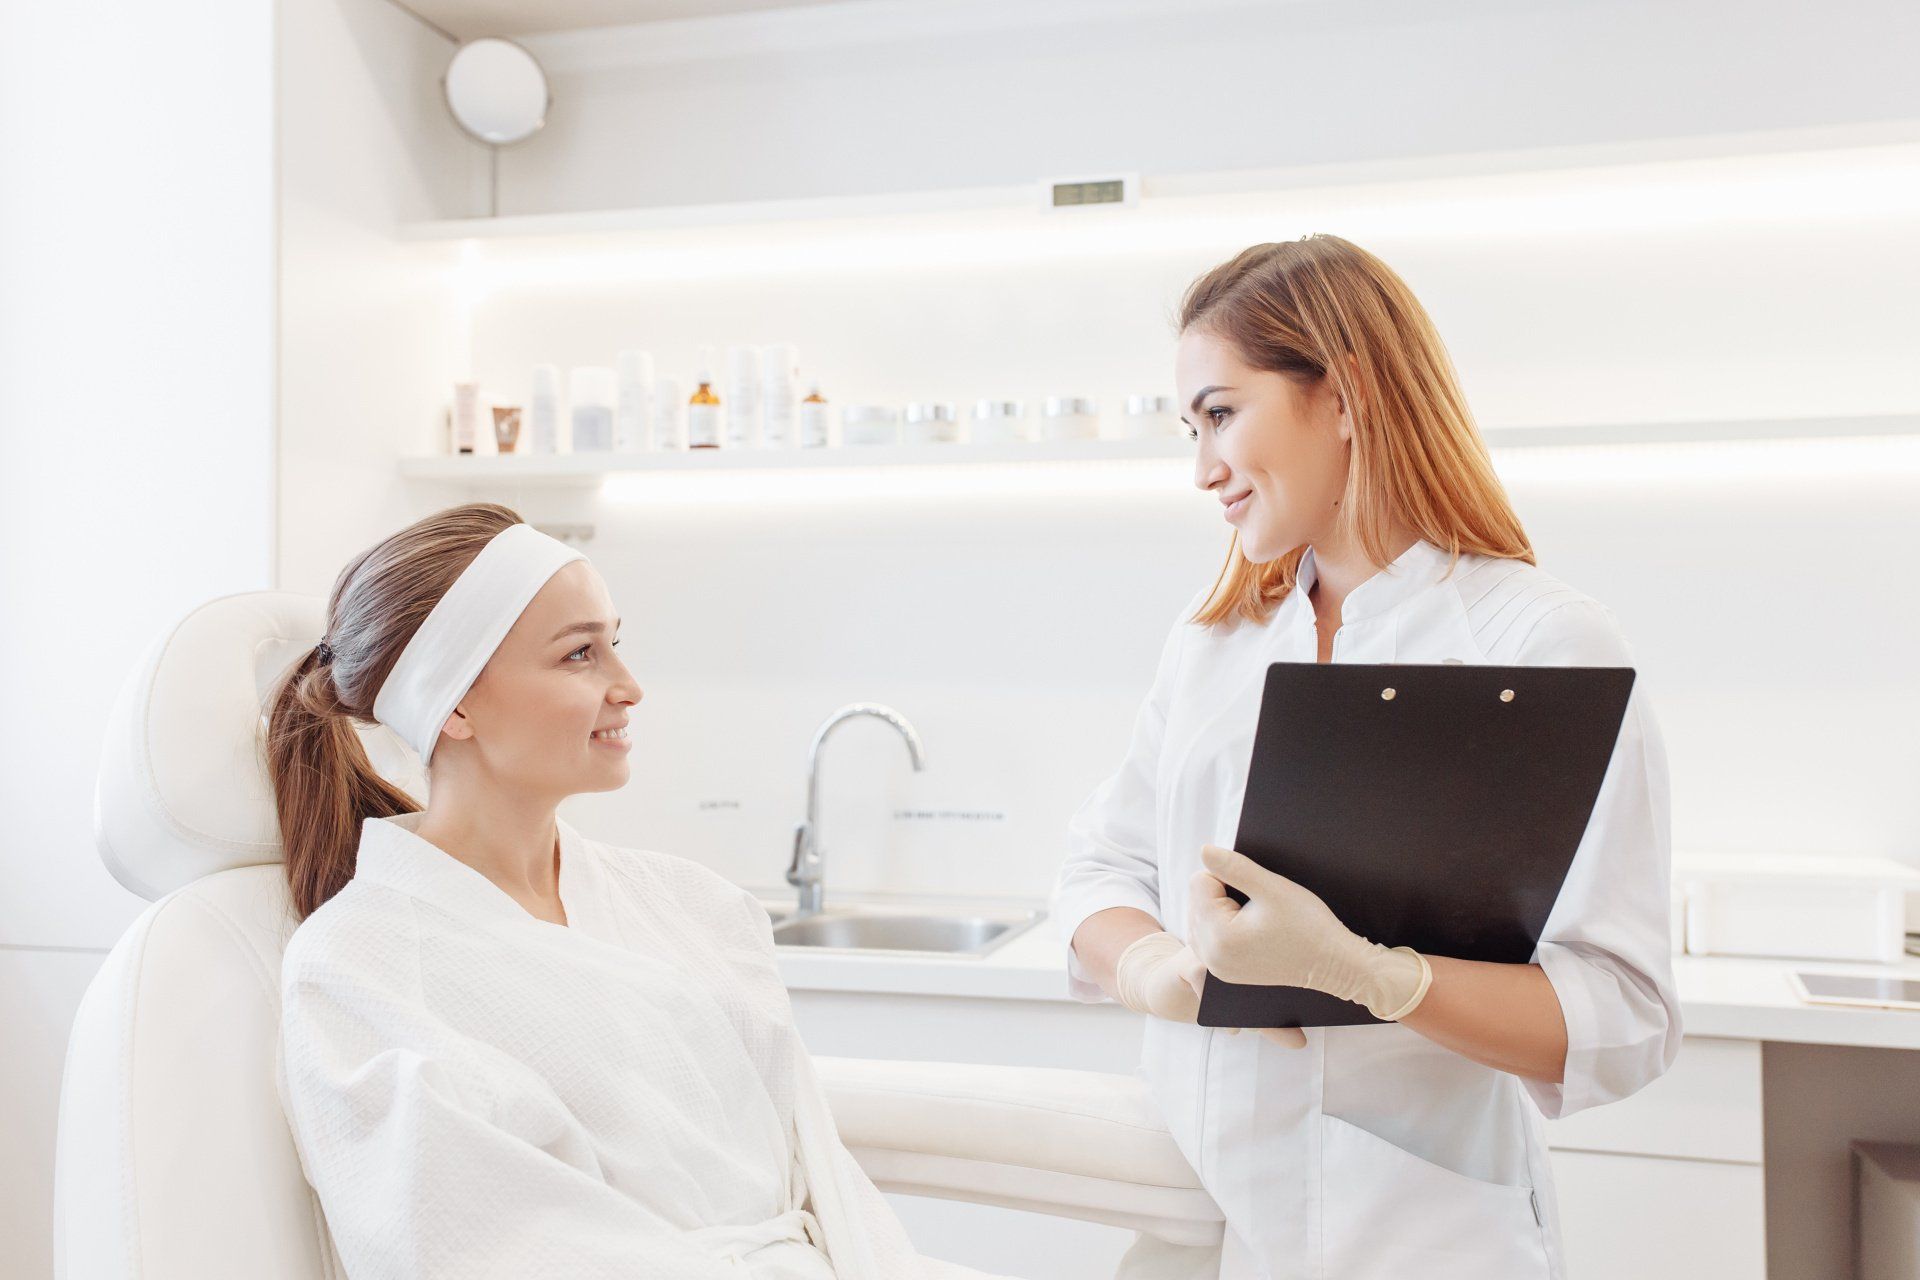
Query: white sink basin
{"type": "Point", "coordinates": [922, 932]}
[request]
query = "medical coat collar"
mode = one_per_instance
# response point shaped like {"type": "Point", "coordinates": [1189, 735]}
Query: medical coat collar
{"type": "Point", "coordinates": [1417, 568]}
{"type": "Point", "coordinates": [392, 853]}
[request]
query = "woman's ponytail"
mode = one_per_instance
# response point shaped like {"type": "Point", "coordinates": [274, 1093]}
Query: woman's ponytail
{"type": "Point", "coordinates": [324, 784]}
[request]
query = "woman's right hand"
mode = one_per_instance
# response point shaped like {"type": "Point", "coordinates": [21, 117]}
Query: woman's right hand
{"type": "Point", "coordinates": [1160, 976]}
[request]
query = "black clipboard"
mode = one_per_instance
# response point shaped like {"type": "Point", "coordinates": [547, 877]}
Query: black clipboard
{"type": "Point", "coordinates": [1434, 807]}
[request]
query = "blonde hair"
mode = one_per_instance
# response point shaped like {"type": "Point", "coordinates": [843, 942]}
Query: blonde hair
{"type": "Point", "coordinates": [1300, 308]}
{"type": "Point", "coordinates": [324, 786]}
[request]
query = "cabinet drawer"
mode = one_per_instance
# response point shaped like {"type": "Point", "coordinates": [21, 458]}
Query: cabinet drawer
{"type": "Point", "coordinates": [1706, 1107]}
{"type": "Point", "coordinates": [1655, 1219]}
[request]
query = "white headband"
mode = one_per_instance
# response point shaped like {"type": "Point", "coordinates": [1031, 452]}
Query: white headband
{"type": "Point", "coordinates": [446, 655]}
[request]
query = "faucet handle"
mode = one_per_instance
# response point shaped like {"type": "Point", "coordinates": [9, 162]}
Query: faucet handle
{"type": "Point", "coordinates": [802, 846]}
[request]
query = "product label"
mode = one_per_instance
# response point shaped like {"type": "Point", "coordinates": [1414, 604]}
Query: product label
{"type": "Point", "coordinates": [776, 429]}
{"type": "Point", "coordinates": [813, 426]}
{"type": "Point", "coordinates": [740, 427]}
{"type": "Point", "coordinates": [703, 426]}
{"type": "Point", "coordinates": [592, 428]}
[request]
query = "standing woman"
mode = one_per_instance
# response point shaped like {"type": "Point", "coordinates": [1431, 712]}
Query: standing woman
{"type": "Point", "coordinates": [1369, 527]}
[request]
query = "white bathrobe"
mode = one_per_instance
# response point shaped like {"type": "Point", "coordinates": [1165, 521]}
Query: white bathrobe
{"type": "Point", "coordinates": [477, 1092]}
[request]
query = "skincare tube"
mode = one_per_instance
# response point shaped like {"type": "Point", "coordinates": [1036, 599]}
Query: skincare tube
{"type": "Point", "coordinates": [466, 416]}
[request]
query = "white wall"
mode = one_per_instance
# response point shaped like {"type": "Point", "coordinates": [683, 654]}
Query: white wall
{"type": "Point", "coordinates": [753, 612]}
{"type": "Point", "coordinates": [139, 313]}
{"type": "Point", "coordinates": [369, 335]}
{"type": "Point", "coordinates": [909, 94]}
{"type": "Point", "coordinates": [1019, 632]}
{"type": "Point", "coordinates": [136, 458]}
{"type": "Point", "coordinates": [136, 394]}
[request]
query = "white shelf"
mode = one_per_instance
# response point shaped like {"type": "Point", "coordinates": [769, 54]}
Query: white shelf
{"type": "Point", "coordinates": [591, 468]}
{"type": "Point", "coordinates": [1733, 430]}
{"type": "Point", "coordinates": [586, 470]}
{"type": "Point", "coordinates": [696, 217]}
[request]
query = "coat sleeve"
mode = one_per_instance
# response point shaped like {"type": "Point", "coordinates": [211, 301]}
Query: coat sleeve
{"type": "Point", "coordinates": [436, 1156]}
{"type": "Point", "coordinates": [1112, 858]}
{"type": "Point", "coordinates": [1606, 946]}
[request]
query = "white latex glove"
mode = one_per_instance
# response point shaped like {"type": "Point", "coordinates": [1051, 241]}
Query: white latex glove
{"type": "Point", "coordinates": [1159, 976]}
{"type": "Point", "coordinates": [1285, 935]}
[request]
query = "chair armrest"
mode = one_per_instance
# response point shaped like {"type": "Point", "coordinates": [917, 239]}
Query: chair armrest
{"type": "Point", "coordinates": [1076, 1144]}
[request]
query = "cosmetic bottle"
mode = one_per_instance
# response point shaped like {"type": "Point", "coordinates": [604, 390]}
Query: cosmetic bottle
{"type": "Point", "coordinates": [506, 427]}
{"type": "Point", "coordinates": [466, 416]}
{"type": "Point", "coordinates": [869, 424]}
{"type": "Point", "coordinates": [591, 390]}
{"type": "Point", "coordinates": [1149, 418]}
{"type": "Point", "coordinates": [1069, 418]}
{"type": "Point", "coordinates": [669, 434]}
{"type": "Point", "coordinates": [930, 424]}
{"type": "Point", "coordinates": [779, 395]}
{"type": "Point", "coordinates": [703, 408]}
{"type": "Point", "coordinates": [816, 420]}
{"type": "Point", "coordinates": [999, 422]}
{"type": "Point", "coordinates": [633, 402]}
{"type": "Point", "coordinates": [743, 398]}
{"type": "Point", "coordinates": [543, 410]}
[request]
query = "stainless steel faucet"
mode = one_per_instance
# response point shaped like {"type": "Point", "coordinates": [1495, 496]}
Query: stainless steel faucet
{"type": "Point", "coordinates": [804, 872]}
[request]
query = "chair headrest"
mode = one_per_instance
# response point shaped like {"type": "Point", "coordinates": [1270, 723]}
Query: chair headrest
{"type": "Point", "coordinates": [183, 789]}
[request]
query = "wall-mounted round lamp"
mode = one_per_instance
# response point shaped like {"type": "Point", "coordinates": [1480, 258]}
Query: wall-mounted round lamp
{"type": "Point", "coordinates": [496, 91]}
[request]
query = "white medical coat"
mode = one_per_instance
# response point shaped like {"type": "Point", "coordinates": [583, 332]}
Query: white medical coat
{"type": "Point", "coordinates": [474, 1091]}
{"type": "Point", "coordinates": [1374, 1152]}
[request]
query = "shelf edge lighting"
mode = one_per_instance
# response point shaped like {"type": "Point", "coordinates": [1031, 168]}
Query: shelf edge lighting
{"type": "Point", "coordinates": [1847, 186]}
{"type": "Point", "coordinates": [1876, 459]}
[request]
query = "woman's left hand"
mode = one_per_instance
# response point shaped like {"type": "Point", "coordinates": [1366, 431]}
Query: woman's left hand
{"type": "Point", "coordinates": [1285, 935]}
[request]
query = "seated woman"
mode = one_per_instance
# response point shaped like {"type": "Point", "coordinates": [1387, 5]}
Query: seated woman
{"type": "Point", "coordinates": [507, 1049]}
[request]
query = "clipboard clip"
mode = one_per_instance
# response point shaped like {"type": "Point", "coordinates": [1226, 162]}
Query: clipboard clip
{"type": "Point", "coordinates": [1389, 693]}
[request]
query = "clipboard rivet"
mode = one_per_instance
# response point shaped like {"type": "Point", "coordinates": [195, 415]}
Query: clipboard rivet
{"type": "Point", "coordinates": [1386, 695]}
{"type": "Point", "coordinates": [1506, 695]}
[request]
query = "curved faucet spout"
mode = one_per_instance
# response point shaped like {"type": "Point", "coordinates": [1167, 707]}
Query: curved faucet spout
{"type": "Point", "coordinates": [804, 873]}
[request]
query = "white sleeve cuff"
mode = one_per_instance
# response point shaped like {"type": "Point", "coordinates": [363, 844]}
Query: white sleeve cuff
{"type": "Point", "coordinates": [1564, 971]}
{"type": "Point", "coordinates": [1072, 910]}
{"type": "Point", "coordinates": [1623, 1029]}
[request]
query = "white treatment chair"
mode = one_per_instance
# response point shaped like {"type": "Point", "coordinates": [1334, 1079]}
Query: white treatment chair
{"type": "Point", "coordinates": [174, 1158]}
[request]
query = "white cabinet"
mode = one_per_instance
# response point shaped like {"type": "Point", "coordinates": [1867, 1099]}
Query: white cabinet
{"type": "Point", "coordinates": [1669, 1183]}
{"type": "Point", "coordinates": [1706, 1107]}
{"type": "Point", "coordinates": [1653, 1218]}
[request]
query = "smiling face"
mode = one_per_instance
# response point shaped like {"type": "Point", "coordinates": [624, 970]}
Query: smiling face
{"type": "Point", "coordinates": [1273, 451]}
{"type": "Point", "coordinates": [531, 718]}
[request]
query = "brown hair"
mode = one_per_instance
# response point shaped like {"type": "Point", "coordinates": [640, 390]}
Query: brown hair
{"type": "Point", "coordinates": [324, 786]}
{"type": "Point", "coordinates": [1300, 308]}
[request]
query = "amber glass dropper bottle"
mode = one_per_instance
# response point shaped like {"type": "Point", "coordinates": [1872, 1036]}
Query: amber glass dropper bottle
{"type": "Point", "coordinates": [703, 409]}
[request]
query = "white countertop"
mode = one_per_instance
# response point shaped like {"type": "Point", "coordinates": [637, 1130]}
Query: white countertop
{"type": "Point", "coordinates": [1722, 997]}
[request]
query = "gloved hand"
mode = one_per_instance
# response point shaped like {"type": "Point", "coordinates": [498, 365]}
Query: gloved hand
{"type": "Point", "coordinates": [1159, 976]}
{"type": "Point", "coordinates": [1285, 935]}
